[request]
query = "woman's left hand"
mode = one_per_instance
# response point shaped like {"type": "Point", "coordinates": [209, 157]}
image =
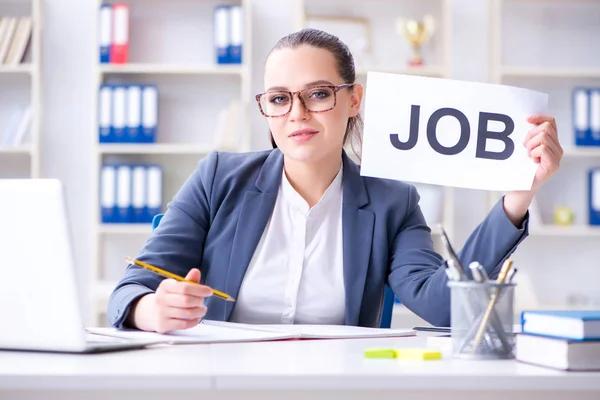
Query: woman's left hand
{"type": "Point", "coordinates": [543, 147]}
{"type": "Point", "coordinates": [545, 150]}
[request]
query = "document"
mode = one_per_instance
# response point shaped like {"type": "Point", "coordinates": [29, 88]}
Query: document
{"type": "Point", "coordinates": [209, 331]}
{"type": "Point", "coordinates": [448, 132]}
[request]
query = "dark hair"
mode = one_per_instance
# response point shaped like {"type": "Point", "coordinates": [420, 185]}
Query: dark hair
{"type": "Point", "coordinates": [345, 66]}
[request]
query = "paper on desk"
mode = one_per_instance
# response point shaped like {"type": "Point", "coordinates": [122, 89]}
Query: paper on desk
{"type": "Point", "coordinates": [221, 332]}
{"type": "Point", "coordinates": [391, 99]}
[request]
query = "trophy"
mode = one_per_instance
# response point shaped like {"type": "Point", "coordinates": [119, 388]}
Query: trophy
{"type": "Point", "coordinates": [416, 33]}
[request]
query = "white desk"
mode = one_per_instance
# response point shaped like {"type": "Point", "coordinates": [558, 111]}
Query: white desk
{"type": "Point", "coordinates": [286, 370]}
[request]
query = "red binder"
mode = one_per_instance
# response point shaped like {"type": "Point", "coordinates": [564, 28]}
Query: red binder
{"type": "Point", "coordinates": [119, 49]}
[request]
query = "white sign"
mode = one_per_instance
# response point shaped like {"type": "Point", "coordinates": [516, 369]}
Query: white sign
{"type": "Point", "coordinates": [448, 132]}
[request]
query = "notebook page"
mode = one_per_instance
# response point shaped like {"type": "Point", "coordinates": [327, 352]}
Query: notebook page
{"type": "Point", "coordinates": [319, 331]}
{"type": "Point", "coordinates": [198, 334]}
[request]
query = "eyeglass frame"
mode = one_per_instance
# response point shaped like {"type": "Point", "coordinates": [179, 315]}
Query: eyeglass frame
{"type": "Point", "coordinates": [335, 88]}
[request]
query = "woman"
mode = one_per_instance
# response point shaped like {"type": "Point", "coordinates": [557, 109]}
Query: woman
{"type": "Point", "coordinates": [295, 234]}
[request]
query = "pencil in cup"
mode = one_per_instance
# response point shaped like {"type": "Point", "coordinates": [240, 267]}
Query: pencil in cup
{"type": "Point", "coordinates": [171, 275]}
{"type": "Point", "coordinates": [494, 298]}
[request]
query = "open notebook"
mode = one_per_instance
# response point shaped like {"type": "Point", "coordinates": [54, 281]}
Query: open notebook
{"type": "Point", "coordinates": [209, 331]}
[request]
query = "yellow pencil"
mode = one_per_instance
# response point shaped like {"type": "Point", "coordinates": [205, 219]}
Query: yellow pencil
{"type": "Point", "coordinates": [168, 274]}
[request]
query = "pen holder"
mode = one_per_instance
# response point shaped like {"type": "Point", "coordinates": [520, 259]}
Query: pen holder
{"type": "Point", "coordinates": [482, 320]}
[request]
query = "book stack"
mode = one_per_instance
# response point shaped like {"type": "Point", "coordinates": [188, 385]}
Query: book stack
{"type": "Point", "coordinates": [566, 340]}
{"type": "Point", "coordinates": [15, 35]}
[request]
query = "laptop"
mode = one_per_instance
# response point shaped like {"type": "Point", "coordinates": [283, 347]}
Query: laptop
{"type": "Point", "coordinates": [39, 303]}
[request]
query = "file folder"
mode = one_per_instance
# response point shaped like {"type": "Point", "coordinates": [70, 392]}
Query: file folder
{"type": "Point", "coordinates": [108, 193]}
{"type": "Point", "coordinates": [221, 34]}
{"type": "Point", "coordinates": [154, 192]}
{"type": "Point", "coordinates": [124, 206]}
{"type": "Point", "coordinates": [138, 199]}
{"type": "Point", "coordinates": [120, 46]}
{"type": "Point", "coordinates": [581, 117]}
{"type": "Point", "coordinates": [594, 196]}
{"type": "Point", "coordinates": [236, 37]}
{"type": "Point", "coordinates": [149, 113]}
{"type": "Point", "coordinates": [105, 114]}
{"type": "Point", "coordinates": [134, 114]}
{"type": "Point", "coordinates": [119, 112]}
{"type": "Point", "coordinates": [105, 32]}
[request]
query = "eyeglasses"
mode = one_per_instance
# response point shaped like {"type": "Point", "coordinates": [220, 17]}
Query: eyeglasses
{"type": "Point", "coordinates": [278, 103]}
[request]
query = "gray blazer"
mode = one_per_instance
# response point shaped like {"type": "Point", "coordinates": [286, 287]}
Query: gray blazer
{"type": "Point", "coordinates": [216, 220]}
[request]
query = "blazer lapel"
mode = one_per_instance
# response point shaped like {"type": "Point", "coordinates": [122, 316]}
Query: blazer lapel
{"type": "Point", "coordinates": [357, 231]}
{"type": "Point", "coordinates": [257, 207]}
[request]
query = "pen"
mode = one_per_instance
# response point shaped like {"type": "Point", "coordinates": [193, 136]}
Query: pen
{"type": "Point", "coordinates": [501, 279]}
{"type": "Point", "coordinates": [168, 274]}
{"type": "Point", "coordinates": [451, 252]}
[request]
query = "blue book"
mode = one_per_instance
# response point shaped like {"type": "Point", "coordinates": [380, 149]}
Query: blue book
{"type": "Point", "coordinates": [564, 324]}
{"type": "Point", "coordinates": [221, 34]}
{"type": "Point", "coordinates": [149, 107]}
{"type": "Point", "coordinates": [105, 34]}
{"type": "Point", "coordinates": [582, 117]}
{"type": "Point", "coordinates": [134, 114]}
{"type": "Point", "coordinates": [108, 194]}
{"type": "Point", "coordinates": [105, 134]}
{"type": "Point", "coordinates": [236, 34]}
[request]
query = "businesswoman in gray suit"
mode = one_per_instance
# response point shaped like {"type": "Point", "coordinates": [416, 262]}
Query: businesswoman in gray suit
{"type": "Point", "coordinates": [295, 234]}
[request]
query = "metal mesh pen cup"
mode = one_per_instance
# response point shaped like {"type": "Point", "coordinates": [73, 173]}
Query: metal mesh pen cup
{"type": "Point", "coordinates": [482, 320]}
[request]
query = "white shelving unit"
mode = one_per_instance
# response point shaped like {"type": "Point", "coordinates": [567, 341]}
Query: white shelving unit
{"type": "Point", "coordinates": [22, 85]}
{"type": "Point", "coordinates": [547, 77]}
{"type": "Point", "coordinates": [192, 89]}
{"type": "Point", "coordinates": [550, 46]}
{"type": "Point", "coordinates": [438, 51]}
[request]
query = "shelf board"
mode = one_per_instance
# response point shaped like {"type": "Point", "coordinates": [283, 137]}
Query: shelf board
{"type": "Point", "coordinates": [172, 69]}
{"type": "Point", "coordinates": [125, 229]}
{"type": "Point", "coordinates": [15, 150]}
{"type": "Point", "coordinates": [154, 148]}
{"type": "Point", "coordinates": [544, 72]}
{"type": "Point", "coordinates": [427, 70]}
{"type": "Point", "coordinates": [588, 151]}
{"type": "Point", "coordinates": [18, 69]}
{"type": "Point", "coordinates": [573, 230]}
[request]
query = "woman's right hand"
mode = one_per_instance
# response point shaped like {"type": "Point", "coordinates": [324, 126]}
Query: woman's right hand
{"type": "Point", "coordinates": [174, 305]}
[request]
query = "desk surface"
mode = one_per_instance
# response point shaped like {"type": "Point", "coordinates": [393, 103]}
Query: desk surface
{"type": "Point", "coordinates": [306, 364]}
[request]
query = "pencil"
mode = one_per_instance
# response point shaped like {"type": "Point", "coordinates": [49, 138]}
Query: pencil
{"type": "Point", "coordinates": [501, 279]}
{"type": "Point", "coordinates": [171, 275]}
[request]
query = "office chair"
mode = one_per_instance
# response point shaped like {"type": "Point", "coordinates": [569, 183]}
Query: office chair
{"type": "Point", "coordinates": [388, 298]}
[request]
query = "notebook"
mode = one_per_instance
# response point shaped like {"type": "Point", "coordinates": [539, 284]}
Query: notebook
{"type": "Point", "coordinates": [208, 331]}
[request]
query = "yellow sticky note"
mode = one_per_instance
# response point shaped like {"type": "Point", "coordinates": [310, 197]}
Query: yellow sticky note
{"type": "Point", "coordinates": [418, 354]}
{"type": "Point", "coordinates": [381, 353]}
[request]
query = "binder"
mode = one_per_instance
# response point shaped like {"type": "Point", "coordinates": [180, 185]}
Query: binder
{"type": "Point", "coordinates": [108, 194]}
{"type": "Point", "coordinates": [105, 114]}
{"type": "Point", "coordinates": [105, 32]}
{"type": "Point", "coordinates": [594, 196]}
{"type": "Point", "coordinates": [221, 34]}
{"type": "Point", "coordinates": [138, 197]}
{"type": "Point", "coordinates": [134, 114]}
{"type": "Point", "coordinates": [124, 206]}
{"type": "Point", "coordinates": [154, 190]}
{"type": "Point", "coordinates": [581, 117]}
{"type": "Point", "coordinates": [595, 116]}
{"type": "Point", "coordinates": [149, 113]}
{"type": "Point", "coordinates": [119, 52]}
{"type": "Point", "coordinates": [119, 112]}
{"type": "Point", "coordinates": [236, 37]}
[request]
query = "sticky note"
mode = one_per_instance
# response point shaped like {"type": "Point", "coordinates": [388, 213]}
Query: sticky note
{"type": "Point", "coordinates": [381, 353]}
{"type": "Point", "coordinates": [418, 354]}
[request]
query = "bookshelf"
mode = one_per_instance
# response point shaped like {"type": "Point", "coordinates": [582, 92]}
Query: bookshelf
{"type": "Point", "coordinates": [20, 87]}
{"type": "Point", "coordinates": [171, 47]}
{"type": "Point", "coordinates": [550, 46]}
{"type": "Point", "coordinates": [384, 55]}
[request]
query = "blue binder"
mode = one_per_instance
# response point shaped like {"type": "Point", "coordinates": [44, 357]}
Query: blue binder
{"type": "Point", "coordinates": [581, 116]}
{"type": "Point", "coordinates": [595, 116]}
{"type": "Point", "coordinates": [124, 191]}
{"type": "Point", "coordinates": [236, 34]}
{"type": "Point", "coordinates": [221, 32]}
{"type": "Point", "coordinates": [105, 134]}
{"type": "Point", "coordinates": [154, 190]}
{"type": "Point", "coordinates": [138, 195]}
{"type": "Point", "coordinates": [149, 114]}
{"type": "Point", "coordinates": [134, 114]}
{"type": "Point", "coordinates": [108, 193]}
{"type": "Point", "coordinates": [119, 113]}
{"type": "Point", "coordinates": [105, 32]}
{"type": "Point", "coordinates": [594, 196]}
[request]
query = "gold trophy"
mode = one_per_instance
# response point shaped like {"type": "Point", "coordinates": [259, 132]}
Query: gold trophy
{"type": "Point", "coordinates": [416, 33]}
